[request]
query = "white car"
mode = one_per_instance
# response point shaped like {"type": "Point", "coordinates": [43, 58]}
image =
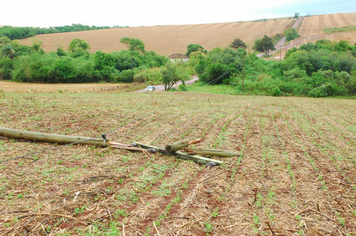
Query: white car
{"type": "Point", "coordinates": [150, 89]}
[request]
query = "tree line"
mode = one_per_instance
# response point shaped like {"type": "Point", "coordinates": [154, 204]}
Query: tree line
{"type": "Point", "coordinates": [76, 64]}
{"type": "Point", "coordinates": [27, 32]}
{"type": "Point", "coordinates": [325, 68]}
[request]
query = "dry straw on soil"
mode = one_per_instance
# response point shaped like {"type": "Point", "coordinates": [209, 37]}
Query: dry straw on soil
{"type": "Point", "coordinates": [296, 174]}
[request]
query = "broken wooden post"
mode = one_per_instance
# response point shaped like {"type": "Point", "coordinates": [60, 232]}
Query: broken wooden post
{"type": "Point", "coordinates": [211, 152]}
{"type": "Point", "coordinates": [196, 158]}
{"type": "Point", "coordinates": [171, 148]}
{"type": "Point", "coordinates": [182, 155]}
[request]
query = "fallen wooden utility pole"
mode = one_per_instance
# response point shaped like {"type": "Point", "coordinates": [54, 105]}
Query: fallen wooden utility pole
{"type": "Point", "coordinates": [66, 139]}
{"type": "Point", "coordinates": [51, 138]}
{"type": "Point", "coordinates": [62, 139]}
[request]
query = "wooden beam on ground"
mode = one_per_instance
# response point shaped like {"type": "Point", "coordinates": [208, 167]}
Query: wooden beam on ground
{"type": "Point", "coordinates": [196, 158]}
{"type": "Point", "coordinates": [211, 152]}
{"type": "Point", "coordinates": [182, 155]}
{"type": "Point", "coordinates": [171, 148]}
{"type": "Point", "coordinates": [146, 146]}
{"type": "Point", "coordinates": [51, 138]}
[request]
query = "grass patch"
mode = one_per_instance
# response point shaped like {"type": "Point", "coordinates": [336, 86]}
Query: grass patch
{"type": "Point", "coordinates": [216, 89]}
{"type": "Point", "coordinates": [340, 29]}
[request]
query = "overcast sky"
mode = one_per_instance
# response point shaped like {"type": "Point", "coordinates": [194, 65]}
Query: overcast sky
{"type": "Point", "coordinates": [46, 13]}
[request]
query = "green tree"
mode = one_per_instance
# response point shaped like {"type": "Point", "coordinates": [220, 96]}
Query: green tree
{"type": "Point", "coordinates": [195, 48]}
{"type": "Point", "coordinates": [238, 43]}
{"type": "Point", "coordinates": [78, 46]}
{"type": "Point", "coordinates": [36, 44]}
{"type": "Point", "coordinates": [172, 73]}
{"type": "Point", "coordinates": [6, 67]}
{"type": "Point", "coordinates": [296, 15]}
{"type": "Point", "coordinates": [4, 40]}
{"type": "Point", "coordinates": [104, 64]}
{"type": "Point", "coordinates": [133, 44]}
{"type": "Point", "coordinates": [258, 45]}
{"type": "Point", "coordinates": [8, 51]}
{"type": "Point", "coordinates": [264, 45]}
{"type": "Point", "coordinates": [61, 52]}
{"type": "Point", "coordinates": [102, 60]}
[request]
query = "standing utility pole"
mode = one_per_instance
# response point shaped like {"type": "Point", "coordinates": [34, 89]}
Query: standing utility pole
{"type": "Point", "coordinates": [243, 71]}
{"type": "Point", "coordinates": [132, 66]}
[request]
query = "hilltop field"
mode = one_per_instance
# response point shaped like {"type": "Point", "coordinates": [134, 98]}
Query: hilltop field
{"type": "Point", "coordinates": [166, 40]}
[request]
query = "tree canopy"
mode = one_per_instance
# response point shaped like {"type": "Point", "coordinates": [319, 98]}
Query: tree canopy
{"type": "Point", "coordinates": [238, 43]}
{"type": "Point", "coordinates": [133, 44]}
{"type": "Point", "coordinates": [195, 48]}
{"type": "Point", "coordinates": [78, 44]}
{"type": "Point", "coordinates": [172, 73]}
{"type": "Point", "coordinates": [264, 45]}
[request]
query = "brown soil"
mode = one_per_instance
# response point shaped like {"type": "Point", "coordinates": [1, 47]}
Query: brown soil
{"type": "Point", "coordinates": [295, 173]}
{"type": "Point", "coordinates": [6, 86]}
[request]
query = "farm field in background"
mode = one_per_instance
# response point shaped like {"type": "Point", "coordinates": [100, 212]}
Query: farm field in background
{"type": "Point", "coordinates": [315, 25]}
{"type": "Point", "coordinates": [6, 86]}
{"type": "Point", "coordinates": [169, 39]}
{"type": "Point", "coordinates": [295, 176]}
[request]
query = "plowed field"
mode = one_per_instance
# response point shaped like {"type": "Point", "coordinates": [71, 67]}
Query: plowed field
{"type": "Point", "coordinates": [295, 174]}
{"type": "Point", "coordinates": [314, 26]}
{"type": "Point", "coordinates": [167, 40]}
{"type": "Point", "coordinates": [6, 86]}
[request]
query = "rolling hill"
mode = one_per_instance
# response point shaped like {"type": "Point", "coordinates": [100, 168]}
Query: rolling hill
{"type": "Point", "coordinates": [170, 39]}
{"type": "Point", "coordinates": [167, 40]}
{"type": "Point", "coordinates": [312, 28]}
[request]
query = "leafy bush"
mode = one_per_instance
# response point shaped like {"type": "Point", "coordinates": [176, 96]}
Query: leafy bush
{"type": "Point", "coordinates": [183, 87]}
{"type": "Point", "coordinates": [6, 67]}
{"type": "Point", "coordinates": [291, 33]}
{"type": "Point", "coordinates": [125, 76]}
{"type": "Point", "coordinates": [321, 91]}
{"type": "Point", "coordinates": [149, 75]}
{"type": "Point", "coordinates": [276, 92]}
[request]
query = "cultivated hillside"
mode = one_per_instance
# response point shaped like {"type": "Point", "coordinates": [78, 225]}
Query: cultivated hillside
{"type": "Point", "coordinates": [312, 27]}
{"type": "Point", "coordinates": [167, 40]}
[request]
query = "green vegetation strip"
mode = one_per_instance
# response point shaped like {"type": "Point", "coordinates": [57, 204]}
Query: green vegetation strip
{"type": "Point", "coordinates": [340, 29]}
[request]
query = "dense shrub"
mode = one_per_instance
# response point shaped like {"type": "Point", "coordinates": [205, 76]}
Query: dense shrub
{"type": "Point", "coordinates": [31, 64]}
{"type": "Point", "coordinates": [149, 75]}
{"type": "Point", "coordinates": [276, 92]}
{"type": "Point", "coordinates": [291, 33]}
